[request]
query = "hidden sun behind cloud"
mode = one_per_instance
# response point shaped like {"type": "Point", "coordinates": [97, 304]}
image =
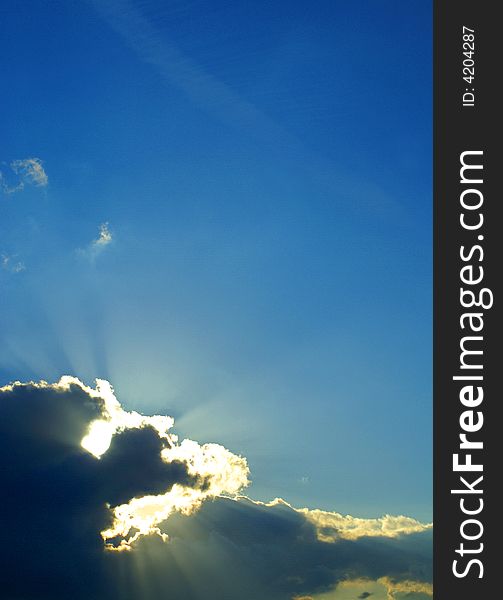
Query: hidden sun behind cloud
{"type": "Point", "coordinates": [95, 490]}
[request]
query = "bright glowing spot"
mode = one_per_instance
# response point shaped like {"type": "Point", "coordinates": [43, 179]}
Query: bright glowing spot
{"type": "Point", "coordinates": [116, 419]}
{"type": "Point", "coordinates": [219, 470]}
{"type": "Point", "coordinates": [99, 438]}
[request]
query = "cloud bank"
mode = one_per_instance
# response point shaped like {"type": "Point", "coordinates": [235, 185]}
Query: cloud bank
{"type": "Point", "coordinates": [102, 502]}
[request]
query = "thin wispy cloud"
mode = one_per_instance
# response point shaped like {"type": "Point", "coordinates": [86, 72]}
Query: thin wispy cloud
{"type": "Point", "coordinates": [23, 172]}
{"type": "Point", "coordinates": [31, 171]}
{"type": "Point", "coordinates": [212, 95]}
{"type": "Point", "coordinates": [179, 70]}
{"type": "Point", "coordinates": [10, 263]}
{"type": "Point", "coordinates": [10, 188]}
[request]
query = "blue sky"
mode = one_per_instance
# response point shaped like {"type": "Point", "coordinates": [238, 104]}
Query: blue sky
{"type": "Point", "coordinates": [263, 174]}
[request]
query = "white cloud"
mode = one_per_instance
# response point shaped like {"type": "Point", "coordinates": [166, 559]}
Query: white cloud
{"type": "Point", "coordinates": [104, 238]}
{"type": "Point", "coordinates": [10, 264]}
{"type": "Point", "coordinates": [30, 170]}
{"type": "Point", "coordinates": [332, 526]}
{"type": "Point", "coordinates": [27, 171]}
{"type": "Point", "coordinates": [98, 245]}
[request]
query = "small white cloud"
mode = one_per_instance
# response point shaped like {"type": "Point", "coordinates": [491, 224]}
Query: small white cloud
{"type": "Point", "coordinates": [96, 247]}
{"type": "Point", "coordinates": [104, 238]}
{"type": "Point", "coordinates": [10, 264]}
{"type": "Point", "coordinates": [30, 170]}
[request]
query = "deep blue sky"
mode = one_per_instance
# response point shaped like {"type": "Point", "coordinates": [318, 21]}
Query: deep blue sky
{"type": "Point", "coordinates": [265, 172]}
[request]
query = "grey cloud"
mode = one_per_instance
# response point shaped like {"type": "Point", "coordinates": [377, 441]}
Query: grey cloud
{"type": "Point", "coordinates": [56, 496]}
{"type": "Point", "coordinates": [277, 551]}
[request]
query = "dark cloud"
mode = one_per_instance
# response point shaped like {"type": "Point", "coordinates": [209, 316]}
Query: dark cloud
{"type": "Point", "coordinates": [278, 553]}
{"type": "Point", "coordinates": [133, 467]}
{"type": "Point", "coordinates": [56, 500]}
{"type": "Point", "coordinates": [55, 494]}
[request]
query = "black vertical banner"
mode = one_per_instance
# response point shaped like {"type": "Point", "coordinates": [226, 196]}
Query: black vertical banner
{"type": "Point", "coordinates": [467, 273]}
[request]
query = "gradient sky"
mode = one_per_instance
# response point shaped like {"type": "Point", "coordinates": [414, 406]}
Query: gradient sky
{"type": "Point", "coordinates": [265, 275]}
